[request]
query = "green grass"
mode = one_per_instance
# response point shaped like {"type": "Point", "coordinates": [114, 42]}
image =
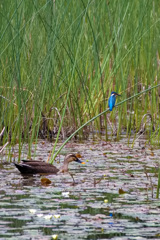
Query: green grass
{"type": "Point", "coordinates": [60, 60]}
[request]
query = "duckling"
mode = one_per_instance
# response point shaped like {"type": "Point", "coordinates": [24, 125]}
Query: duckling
{"type": "Point", "coordinates": [33, 167]}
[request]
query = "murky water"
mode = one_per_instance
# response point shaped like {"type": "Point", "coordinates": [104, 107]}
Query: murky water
{"type": "Point", "coordinates": [93, 208]}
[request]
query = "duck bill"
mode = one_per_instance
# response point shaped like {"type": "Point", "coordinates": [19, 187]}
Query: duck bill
{"type": "Point", "coordinates": [79, 161]}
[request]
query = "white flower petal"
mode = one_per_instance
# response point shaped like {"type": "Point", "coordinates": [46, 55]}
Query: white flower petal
{"type": "Point", "coordinates": [48, 216]}
{"type": "Point", "coordinates": [54, 236]}
{"type": "Point", "coordinates": [32, 211]}
{"type": "Point", "coordinates": [40, 215]}
{"type": "Point", "coordinates": [65, 194]}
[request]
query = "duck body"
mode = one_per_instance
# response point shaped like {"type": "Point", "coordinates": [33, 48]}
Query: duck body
{"type": "Point", "coordinates": [37, 167]}
{"type": "Point", "coordinates": [33, 167]}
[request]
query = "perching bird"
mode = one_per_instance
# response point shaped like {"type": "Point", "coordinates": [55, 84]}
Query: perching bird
{"type": "Point", "coordinates": [33, 167]}
{"type": "Point", "coordinates": [112, 100]}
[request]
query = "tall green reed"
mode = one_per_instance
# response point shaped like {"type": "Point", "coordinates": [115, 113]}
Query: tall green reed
{"type": "Point", "coordinates": [56, 54]}
{"type": "Point", "coordinates": [95, 117]}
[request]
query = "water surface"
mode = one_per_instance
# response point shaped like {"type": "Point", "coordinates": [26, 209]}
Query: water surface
{"type": "Point", "coordinates": [93, 208]}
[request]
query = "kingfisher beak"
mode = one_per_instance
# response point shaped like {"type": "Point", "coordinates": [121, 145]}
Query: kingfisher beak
{"type": "Point", "coordinates": [117, 94]}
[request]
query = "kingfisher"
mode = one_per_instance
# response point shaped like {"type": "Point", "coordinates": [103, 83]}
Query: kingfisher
{"type": "Point", "coordinates": [112, 100]}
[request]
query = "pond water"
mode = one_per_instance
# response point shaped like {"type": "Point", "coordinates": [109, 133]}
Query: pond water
{"type": "Point", "coordinates": [114, 196]}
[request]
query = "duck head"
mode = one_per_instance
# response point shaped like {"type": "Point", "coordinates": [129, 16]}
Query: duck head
{"type": "Point", "coordinates": [72, 157]}
{"type": "Point", "coordinates": [69, 158]}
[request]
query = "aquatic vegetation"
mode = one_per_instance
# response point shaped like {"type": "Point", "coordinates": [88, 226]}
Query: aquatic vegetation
{"type": "Point", "coordinates": [84, 210]}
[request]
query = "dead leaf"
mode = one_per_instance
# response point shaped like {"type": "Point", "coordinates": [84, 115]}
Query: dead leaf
{"type": "Point", "coordinates": [121, 191]}
{"type": "Point", "coordinates": [45, 181]}
{"type": "Point", "coordinates": [78, 155]}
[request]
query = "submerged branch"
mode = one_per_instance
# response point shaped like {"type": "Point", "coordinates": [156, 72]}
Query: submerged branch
{"type": "Point", "coordinates": [143, 124]}
{"type": "Point", "coordinates": [2, 132]}
{"type": "Point", "coordinates": [4, 147]}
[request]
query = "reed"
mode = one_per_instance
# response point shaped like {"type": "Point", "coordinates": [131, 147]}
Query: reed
{"type": "Point", "coordinates": [60, 61]}
{"type": "Point", "coordinates": [158, 186]}
{"type": "Point", "coordinates": [97, 116]}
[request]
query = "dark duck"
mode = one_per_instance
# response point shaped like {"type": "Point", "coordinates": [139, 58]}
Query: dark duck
{"type": "Point", "coordinates": [34, 167]}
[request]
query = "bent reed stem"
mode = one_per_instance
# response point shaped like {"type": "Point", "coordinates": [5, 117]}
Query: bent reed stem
{"type": "Point", "coordinates": [92, 119]}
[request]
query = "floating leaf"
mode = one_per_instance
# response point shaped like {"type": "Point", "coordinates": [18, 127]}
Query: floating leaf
{"type": "Point", "coordinates": [45, 181]}
{"type": "Point", "coordinates": [121, 191]}
{"type": "Point", "coordinates": [137, 219]}
{"type": "Point", "coordinates": [105, 153]}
